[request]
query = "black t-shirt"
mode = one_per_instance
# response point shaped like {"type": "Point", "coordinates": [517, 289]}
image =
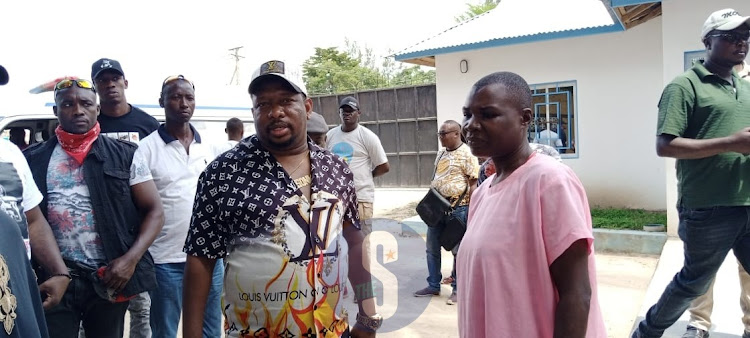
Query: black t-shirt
{"type": "Point", "coordinates": [133, 126]}
{"type": "Point", "coordinates": [17, 279]}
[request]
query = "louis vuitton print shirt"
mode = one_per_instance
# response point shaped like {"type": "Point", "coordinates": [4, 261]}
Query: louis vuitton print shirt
{"type": "Point", "coordinates": [285, 255]}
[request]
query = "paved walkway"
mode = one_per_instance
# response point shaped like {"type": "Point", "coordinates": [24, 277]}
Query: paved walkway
{"type": "Point", "coordinates": [727, 314]}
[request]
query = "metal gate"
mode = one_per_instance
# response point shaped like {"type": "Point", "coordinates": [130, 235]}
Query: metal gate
{"type": "Point", "coordinates": [405, 120]}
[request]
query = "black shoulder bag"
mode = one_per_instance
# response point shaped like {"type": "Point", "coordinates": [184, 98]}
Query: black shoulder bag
{"type": "Point", "coordinates": [436, 211]}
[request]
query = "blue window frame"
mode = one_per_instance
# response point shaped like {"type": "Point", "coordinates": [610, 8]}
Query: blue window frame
{"type": "Point", "coordinates": [555, 116]}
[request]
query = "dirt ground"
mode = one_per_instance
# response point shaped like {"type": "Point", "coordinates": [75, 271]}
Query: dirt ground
{"type": "Point", "coordinates": [399, 213]}
{"type": "Point", "coordinates": [622, 280]}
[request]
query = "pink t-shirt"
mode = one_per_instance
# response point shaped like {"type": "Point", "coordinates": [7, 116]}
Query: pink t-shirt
{"type": "Point", "coordinates": [516, 230]}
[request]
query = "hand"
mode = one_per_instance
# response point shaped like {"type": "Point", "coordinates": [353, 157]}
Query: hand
{"type": "Point", "coordinates": [54, 288]}
{"type": "Point", "coordinates": [358, 331]}
{"type": "Point", "coordinates": [118, 273]}
{"type": "Point", "coordinates": [740, 141]}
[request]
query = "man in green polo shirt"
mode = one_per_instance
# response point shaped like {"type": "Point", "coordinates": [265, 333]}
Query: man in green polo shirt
{"type": "Point", "coordinates": [704, 122]}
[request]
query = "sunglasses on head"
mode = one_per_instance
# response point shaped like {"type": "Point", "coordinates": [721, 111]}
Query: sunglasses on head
{"type": "Point", "coordinates": [732, 37]}
{"type": "Point", "coordinates": [67, 83]}
{"type": "Point", "coordinates": [175, 78]}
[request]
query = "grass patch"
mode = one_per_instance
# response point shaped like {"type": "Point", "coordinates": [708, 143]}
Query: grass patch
{"type": "Point", "coordinates": [626, 219]}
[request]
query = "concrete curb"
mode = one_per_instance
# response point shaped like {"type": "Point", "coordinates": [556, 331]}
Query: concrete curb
{"type": "Point", "coordinates": [605, 240]}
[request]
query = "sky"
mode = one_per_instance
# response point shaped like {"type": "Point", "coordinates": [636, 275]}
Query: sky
{"type": "Point", "coordinates": [43, 40]}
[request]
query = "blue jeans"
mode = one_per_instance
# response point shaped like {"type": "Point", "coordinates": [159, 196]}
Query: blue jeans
{"type": "Point", "coordinates": [434, 252]}
{"type": "Point", "coordinates": [166, 301]}
{"type": "Point", "coordinates": [708, 235]}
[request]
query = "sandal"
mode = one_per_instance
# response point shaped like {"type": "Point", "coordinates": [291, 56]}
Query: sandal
{"type": "Point", "coordinates": [447, 280]}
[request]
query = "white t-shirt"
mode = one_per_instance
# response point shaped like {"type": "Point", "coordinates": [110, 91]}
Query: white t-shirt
{"type": "Point", "coordinates": [221, 147]}
{"type": "Point", "coordinates": [362, 151]}
{"type": "Point", "coordinates": [176, 177]}
{"type": "Point", "coordinates": [18, 192]}
{"type": "Point", "coordinates": [549, 138]}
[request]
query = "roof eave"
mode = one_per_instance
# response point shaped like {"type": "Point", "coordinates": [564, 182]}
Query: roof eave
{"type": "Point", "coordinates": [420, 56]}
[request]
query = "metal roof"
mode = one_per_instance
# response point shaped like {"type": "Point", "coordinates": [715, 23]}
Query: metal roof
{"type": "Point", "coordinates": [515, 21]}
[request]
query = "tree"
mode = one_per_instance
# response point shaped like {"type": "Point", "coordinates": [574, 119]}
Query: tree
{"type": "Point", "coordinates": [474, 10]}
{"type": "Point", "coordinates": [330, 71]}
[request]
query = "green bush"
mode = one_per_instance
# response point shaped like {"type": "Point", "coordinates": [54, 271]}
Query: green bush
{"type": "Point", "coordinates": [626, 219]}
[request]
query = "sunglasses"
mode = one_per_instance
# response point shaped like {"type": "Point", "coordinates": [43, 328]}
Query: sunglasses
{"type": "Point", "coordinates": [443, 133]}
{"type": "Point", "coordinates": [67, 83]}
{"type": "Point", "coordinates": [175, 78]}
{"type": "Point", "coordinates": [732, 38]}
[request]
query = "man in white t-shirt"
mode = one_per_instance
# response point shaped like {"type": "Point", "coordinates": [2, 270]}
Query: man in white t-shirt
{"type": "Point", "coordinates": [360, 148]}
{"type": "Point", "coordinates": [177, 157]}
{"type": "Point", "coordinates": [235, 129]}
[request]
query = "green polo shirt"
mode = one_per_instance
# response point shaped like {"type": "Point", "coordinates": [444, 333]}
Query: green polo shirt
{"type": "Point", "coordinates": [701, 105]}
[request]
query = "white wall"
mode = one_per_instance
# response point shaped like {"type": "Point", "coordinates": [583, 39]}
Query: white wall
{"type": "Point", "coordinates": [619, 77]}
{"type": "Point", "coordinates": [682, 22]}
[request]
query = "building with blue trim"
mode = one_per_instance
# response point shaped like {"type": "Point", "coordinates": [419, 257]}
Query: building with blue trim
{"type": "Point", "coordinates": [597, 68]}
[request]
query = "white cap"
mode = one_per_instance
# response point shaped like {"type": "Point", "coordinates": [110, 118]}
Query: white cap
{"type": "Point", "coordinates": [724, 20]}
{"type": "Point", "coordinates": [276, 68]}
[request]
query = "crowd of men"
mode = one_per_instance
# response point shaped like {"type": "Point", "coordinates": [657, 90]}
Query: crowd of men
{"type": "Point", "coordinates": [264, 236]}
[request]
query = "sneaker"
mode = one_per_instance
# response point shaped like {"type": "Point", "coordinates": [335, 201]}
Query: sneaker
{"type": "Point", "coordinates": [694, 332]}
{"type": "Point", "coordinates": [427, 292]}
{"type": "Point", "coordinates": [453, 299]}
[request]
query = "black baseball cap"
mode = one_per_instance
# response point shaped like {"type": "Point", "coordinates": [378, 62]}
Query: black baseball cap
{"type": "Point", "coordinates": [350, 101]}
{"type": "Point", "coordinates": [105, 64]}
{"type": "Point", "coordinates": [3, 76]}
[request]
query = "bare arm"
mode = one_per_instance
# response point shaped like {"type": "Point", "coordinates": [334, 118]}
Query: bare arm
{"type": "Point", "coordinates": [687, 148]}
{"type": "Point", "coordinates": [147, 201]}
{"type": "Point", "coordinates": [472, 185]}
{"type": "Point", "coordinates": [570, 273]}
{"type": "Point", "coordinates": [195, 289]}
{"type": "Point", "coordinates": [45, 251]}
{"type": "Point", "coordinates": [381, 170]}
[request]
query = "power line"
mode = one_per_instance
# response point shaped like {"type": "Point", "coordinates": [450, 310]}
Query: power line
{"type": "Point", "coordinates": [237, 57]}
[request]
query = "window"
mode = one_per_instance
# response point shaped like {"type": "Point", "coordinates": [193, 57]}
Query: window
{"type": "Point", "coordinates": [555, 117]}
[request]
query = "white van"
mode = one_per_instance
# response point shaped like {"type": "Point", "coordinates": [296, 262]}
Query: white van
{"type": "Point", "coordinates": [210, 122]}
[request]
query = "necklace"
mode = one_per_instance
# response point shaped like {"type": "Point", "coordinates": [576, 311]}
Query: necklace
{"type": "Point", "coordinates": [300, 164]}
{"type": "Point", "coordinates": [303, 181]}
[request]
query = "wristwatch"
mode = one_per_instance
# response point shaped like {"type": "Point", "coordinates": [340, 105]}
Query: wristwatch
{"type": "Point", "coordinates": [373, 323]}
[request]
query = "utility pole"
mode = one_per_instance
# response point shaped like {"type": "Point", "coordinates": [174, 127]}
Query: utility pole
{"type": "Point", "coordinates": [236, 75]}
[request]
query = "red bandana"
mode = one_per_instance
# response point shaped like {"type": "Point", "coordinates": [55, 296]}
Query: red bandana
{"type": "Point", "coordinates": [77, 145]}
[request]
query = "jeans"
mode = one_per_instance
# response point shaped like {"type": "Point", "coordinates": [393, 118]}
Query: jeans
{"type": "Point", "coordinates": [140, 306]}
{"type": "Point", "coordinates": [708, 235]}
{"type": "Point", "coordinates": [434, 252]}
{"type": "Point", "coordinates": [166, 301]}
{"type": "Point", "coordinates": [81, 304]}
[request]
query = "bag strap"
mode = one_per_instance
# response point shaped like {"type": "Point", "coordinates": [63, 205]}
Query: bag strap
{"type": "Point", "coordinates": [461, 198]}
{"type": "Point", "coordinates": [436, 164]}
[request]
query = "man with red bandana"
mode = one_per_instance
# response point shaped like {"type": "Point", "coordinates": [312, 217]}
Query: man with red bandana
{"type": "Point", "coordinates": [104, 211]}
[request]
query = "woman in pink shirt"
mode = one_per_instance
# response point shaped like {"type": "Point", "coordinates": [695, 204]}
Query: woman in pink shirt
{"type": "Point", "coordinates": [527, 259]}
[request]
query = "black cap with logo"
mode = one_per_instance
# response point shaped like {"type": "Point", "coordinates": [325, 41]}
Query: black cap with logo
{"type": "Point", "coordinates": [105, 64]}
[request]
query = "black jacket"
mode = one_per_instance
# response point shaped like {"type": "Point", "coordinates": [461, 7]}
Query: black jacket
{"type": "Point", "coordinates": [106, 170]}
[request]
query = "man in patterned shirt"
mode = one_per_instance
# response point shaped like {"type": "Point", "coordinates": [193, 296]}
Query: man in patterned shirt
{"type": "Point", "coordinates": [104, 211]}
{"type": "Point", "coordinates": [456, 172]}
{"type": "Point", "coordinates": [281, 211]}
